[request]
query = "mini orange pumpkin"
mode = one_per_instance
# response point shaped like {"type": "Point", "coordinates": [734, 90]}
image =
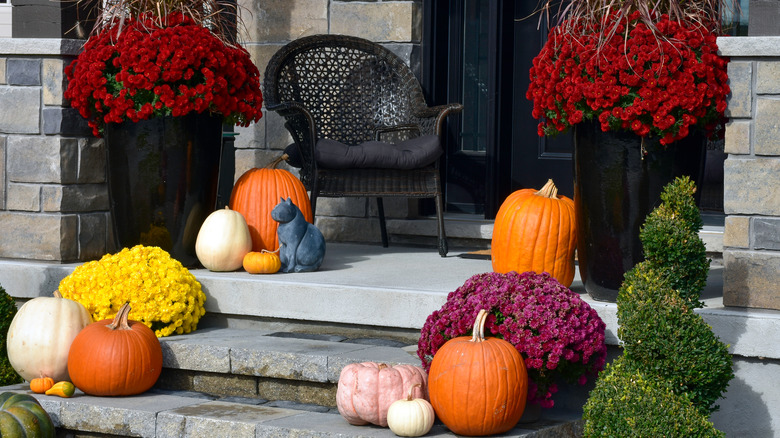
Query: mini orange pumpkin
{"type": "Point", "coordinates": [478, 385]}
{"type": "Point", "coordinates": [257, 192]}
{"type": "Point", "coordinates": [535, 231]}
{"type": "Point", "coordinates": [41, 384]}
{"type": "Point", "coordinates": [115, 357]}
{"type": "Point", "coordinates": [262, 262]}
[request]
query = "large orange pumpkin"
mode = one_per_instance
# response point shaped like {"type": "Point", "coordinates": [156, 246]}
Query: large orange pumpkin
{"type": "Point", "coordinates": [257, 192]}
{"type": "Point", "coordinates": [536, 231]}
{"type": "Point", "coordinates": [367, 389]}
{"type": "Point", "coordinates": [115, 357]}
{"type": "Point", "coordinates": [478, 385]}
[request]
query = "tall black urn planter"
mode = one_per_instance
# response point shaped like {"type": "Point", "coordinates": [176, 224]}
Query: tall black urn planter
{"type": "Point", "coordinates": [163, 175]}
{"type": "Point", "coordinates": [615, 187]}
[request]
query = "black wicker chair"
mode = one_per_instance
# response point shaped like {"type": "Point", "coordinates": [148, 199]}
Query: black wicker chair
{"type": "Point", "coordinates": [349, 91]}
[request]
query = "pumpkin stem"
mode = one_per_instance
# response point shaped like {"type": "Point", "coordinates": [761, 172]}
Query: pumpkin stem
{"type": "Point", "coordinates": [57, 294]}
{"type": "Point", "coordinates": [270, 252]}
{"type": "Point", "coordinates": [275, 163]}
{"type": "Point", "coordinates": [479, 326]}
{"type": "Point", "coordinates": [549, 190]}
{"type": "Point", "coordinates": [410, 397]}
{"type": "Point", "coordinates": [382, 366]}
{"type": "Point", "coordinates": [120, 320]}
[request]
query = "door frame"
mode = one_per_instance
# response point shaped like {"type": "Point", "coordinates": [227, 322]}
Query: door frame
{"type": "Point", "coordinates": [441, 58]}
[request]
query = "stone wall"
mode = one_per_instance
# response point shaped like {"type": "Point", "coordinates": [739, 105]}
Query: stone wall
{"type": "Point", "coordinates": [751, 240]}
{"type": "Point", "coordinates": [53, 197]}
{"type": "Point", "coordinates": [272, 23]}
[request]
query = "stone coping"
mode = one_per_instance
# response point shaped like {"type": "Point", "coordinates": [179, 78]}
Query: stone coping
{"type": "Point", "coordinates": [171, 414]}
{"type": "Point", "coordinates": [396, 287]}
{"type": "Point", "coordinates": [40, 46]}
{"type": "Point", "coordinates": [747, 46]}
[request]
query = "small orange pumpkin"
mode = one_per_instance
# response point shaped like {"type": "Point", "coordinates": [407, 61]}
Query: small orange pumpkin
{"type": "Point", "coordinates": [258, 191]}
{"type": "Point", "coordinates": [535, 231]}
{"type": "Point", "coordinates": [262, 262]}
{"type": "Point", "coordinates": [41, 384]}
{"type": "Point", "coordinates": [478, 385]}
{"type": "Point", "coordinates": [115, 357]}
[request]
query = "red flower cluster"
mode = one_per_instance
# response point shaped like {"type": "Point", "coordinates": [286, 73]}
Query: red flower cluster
{"type": "Point", "coordinates": [148, 71]}
{"type": "Point", "coordinates": [558, 334]}
{"type": "Point", "coordinates": [658, 82]}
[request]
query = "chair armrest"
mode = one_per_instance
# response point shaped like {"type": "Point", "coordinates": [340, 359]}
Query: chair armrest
{"type": "Point", "coordinates": [438, 113]}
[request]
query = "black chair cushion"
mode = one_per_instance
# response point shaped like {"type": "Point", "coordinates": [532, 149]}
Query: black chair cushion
{"type": "Point", "coordinates": [409, 154]}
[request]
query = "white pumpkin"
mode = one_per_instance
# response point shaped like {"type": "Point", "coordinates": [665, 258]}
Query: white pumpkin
{"type": "Point", "coordinates": [410, 416]}
{"type": "Point", "coordinates": [40, 335]}
{"type": "Point", "coordinates": [223, 241]}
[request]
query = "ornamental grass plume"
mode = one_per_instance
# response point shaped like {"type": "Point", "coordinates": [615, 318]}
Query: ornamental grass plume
{"type": "Point", "coordinates": [558, 334]}
{"type": "Point", "coordinates": [162, 293]}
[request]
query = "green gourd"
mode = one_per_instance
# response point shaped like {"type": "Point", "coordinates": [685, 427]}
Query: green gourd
{"type": "Point", "coordinates": [22, 416]}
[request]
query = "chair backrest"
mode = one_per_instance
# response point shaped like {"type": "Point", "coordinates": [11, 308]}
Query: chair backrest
{"type": "Point", "coordinates": [351, 86]}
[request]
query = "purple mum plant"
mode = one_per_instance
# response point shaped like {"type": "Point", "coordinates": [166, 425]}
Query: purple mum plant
{"type": "Point", "coordinates": [558, 334]}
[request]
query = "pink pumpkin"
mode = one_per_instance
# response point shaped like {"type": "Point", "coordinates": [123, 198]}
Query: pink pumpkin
{"type": "Point", "coordinates": [366, 390]}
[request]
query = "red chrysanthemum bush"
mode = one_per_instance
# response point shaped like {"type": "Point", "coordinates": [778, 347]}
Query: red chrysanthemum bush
{"type": "Point", "coordinates": [659, 82]}
{"type": "Point", "coordinates": [560, 337]}
{"type": "Point", "coordinates": [144, 68]}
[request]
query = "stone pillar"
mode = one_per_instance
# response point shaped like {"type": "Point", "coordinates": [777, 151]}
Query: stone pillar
{"type": "Point", "coordinates": [751, 240]}
{"type": "Point", "coordinates": [53, 196]}
{"type": "Point", "coordinates": [269, 25]}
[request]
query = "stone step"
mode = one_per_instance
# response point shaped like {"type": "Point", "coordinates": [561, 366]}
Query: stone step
{"type": "Point", "coordinates": [166, 414]}
{"type": "Point", "coordinates": [249, 383]}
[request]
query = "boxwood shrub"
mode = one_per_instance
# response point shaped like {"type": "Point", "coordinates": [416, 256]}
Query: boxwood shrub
{"type": "Point", "coordinates": [628, 403]}
{"type": "Point", "coordinates": [8, 375]}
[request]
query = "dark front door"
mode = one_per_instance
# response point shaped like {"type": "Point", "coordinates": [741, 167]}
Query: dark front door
{"type": "Point", "coordinates": [478, 53]}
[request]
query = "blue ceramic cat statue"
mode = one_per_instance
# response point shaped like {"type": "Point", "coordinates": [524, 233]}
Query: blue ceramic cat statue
{"type": "Point", "coordinates": [301, 244]}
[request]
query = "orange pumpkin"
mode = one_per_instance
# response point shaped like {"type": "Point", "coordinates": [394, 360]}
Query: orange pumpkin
{"type": "Point", "coordinates": [536, 231]}
{"type": "Point", "coordinates": [257, 192]}
{"type": "Point", "coordinates": [262, 262]}
{"type": "Point", "coordinates": [115, 357]}
{"type": "Point", "coordinates": [41, 384]}
{"type": "Point", "coordinates": [478, 385]}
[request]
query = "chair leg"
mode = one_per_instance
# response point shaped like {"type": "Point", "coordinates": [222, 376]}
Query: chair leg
{"type": "Point", "coordinates": [380, 207]}
{"type": "Point", "coordinates": [443, 249]}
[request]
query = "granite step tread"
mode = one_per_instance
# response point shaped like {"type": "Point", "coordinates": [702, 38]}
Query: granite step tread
{"type": "Point", "coordinates": [312, 358]}
{"type": "Point", "coordinates": [171, 414]}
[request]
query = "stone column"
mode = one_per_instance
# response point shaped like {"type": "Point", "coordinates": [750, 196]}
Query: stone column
{"type": "Point", "coordinates": [751, 240]}
{"type": "Point", "coordinates": [53, 196]}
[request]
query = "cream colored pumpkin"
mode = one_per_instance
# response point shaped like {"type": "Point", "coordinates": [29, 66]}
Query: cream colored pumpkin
{"type": "Point", "coordinates": [40, 335]}
{"type": "Point", "coordinates": [410, 416]}
{"type": "Point", "coordinates": [223, 241]}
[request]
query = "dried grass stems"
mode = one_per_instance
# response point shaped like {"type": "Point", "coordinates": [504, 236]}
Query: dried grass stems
{"type": "Point", "coordinates": [219, 16]}
{"type": "Point", "coordinates": [610, 14]}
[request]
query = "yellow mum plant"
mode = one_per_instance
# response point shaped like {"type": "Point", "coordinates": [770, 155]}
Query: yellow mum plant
{"type": "Point", "coordinates": [162, 293]}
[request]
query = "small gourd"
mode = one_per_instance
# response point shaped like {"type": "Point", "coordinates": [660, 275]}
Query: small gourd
{"type": "Point", "coordinates": [262, 262]}
{"type": "Point", "coordinates": [62, 389]}
{"type": "Point", "coordinates": [223, 241]}
{"type": "Point", "coordinates": [410, 416]}
{"type": "Point", "coordinates": [41, 384]}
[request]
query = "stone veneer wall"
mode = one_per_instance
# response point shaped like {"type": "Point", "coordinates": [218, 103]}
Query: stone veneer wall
{"type": "Point", "coordinates": [751, 240]}
{"type": "Point", "coordinates": [272, 23]}
{"type": "Point", "coordinates": [53, 196]}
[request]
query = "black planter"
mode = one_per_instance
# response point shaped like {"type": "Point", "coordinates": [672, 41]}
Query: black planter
{"type": "Point", "coordinates": [615, 188]}
{"type": "Point", "coordinates": [163, 176]}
